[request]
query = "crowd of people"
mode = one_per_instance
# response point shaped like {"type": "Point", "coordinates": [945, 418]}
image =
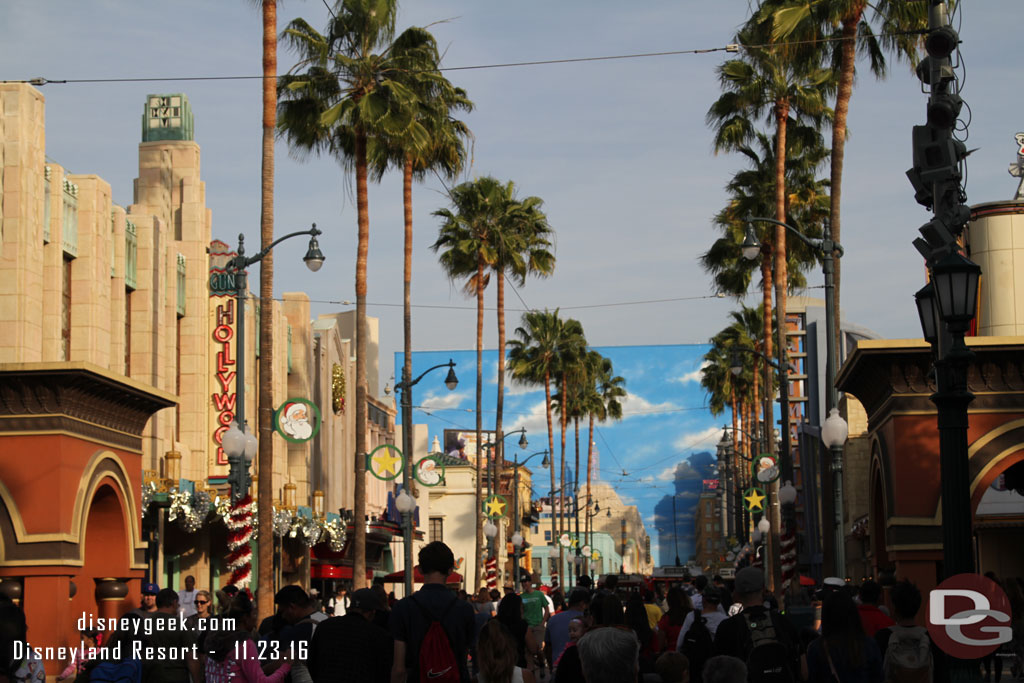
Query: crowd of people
{"type": "Point", "coordinates": [698, 631]}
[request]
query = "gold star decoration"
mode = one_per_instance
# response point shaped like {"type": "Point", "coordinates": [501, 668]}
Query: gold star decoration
{"type": "Point", "coordinates": [755, 499]}
{"type": "Point", "coordinates": [387, 462]}
{"type": "Point", "coordinates": [495, 507]}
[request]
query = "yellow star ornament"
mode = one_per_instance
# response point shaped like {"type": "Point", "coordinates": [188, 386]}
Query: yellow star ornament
{"type": "Point", "coordinates": [385, 462]}
{"type": "Point", "coordinates": [495, 507]}
{"type": "Point", "coordinates": [755, 499]}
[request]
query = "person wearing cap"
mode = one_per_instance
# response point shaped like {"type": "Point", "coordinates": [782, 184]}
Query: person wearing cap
{"type": "Point", "coordinates": [711, 610]}
{"type": "Point", "coordinates": [733, 634]}
{"type": "Point", "coordinates": [148, 604]}
{"type": "Point", "coordinates": [352, 646]}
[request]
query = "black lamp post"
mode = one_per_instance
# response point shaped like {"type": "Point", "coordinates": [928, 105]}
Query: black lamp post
{"type": "Point", "coordinates": [517, 537]}
{"type": "Point", "coordinates": [242, 456]}
{"type": "Point", "coordinates": [834, 429]}
{"type": "Point", "coordinates": [405, 401]}
{"type": "Point", "coordinates": [951, 301]}
{"type": "Point", "coordinates": [491, 475]}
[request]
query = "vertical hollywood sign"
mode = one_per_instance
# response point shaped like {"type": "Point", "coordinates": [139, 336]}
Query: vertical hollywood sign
{"type": "Point", "coordinates": [224, 399]}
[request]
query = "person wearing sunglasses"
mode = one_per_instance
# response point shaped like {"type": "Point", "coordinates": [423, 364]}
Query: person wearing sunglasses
{"type": "Point", "coordinates": [204, 610]}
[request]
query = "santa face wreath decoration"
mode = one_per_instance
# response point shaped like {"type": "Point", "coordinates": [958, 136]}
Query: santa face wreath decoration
{"type": "Point", "coordinates": [297, 420]}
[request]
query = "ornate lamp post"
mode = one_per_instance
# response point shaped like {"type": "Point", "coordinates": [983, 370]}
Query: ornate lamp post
{"type": "Point", "coordinates": [829, 250]}
{"type": "Point", "coordinates": [407, 505]}
{"type": "Point", "coordinates": [946, 308]}
{"type": "Point", "coordinates": [238, 473]}
{"type": "Point", "coordinates": [489, 447]}
{"type": "Point", "coordinates": [517, 538]}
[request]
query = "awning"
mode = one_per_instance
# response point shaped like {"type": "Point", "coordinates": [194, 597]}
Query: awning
{"type": "Point", "coordinates": [806, 580]}
{"type": "Point", "coordinates": [417, 577]}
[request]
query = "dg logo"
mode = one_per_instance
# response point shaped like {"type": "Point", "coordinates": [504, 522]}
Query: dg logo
{"type": "Point", "coordinates": [969, 616]}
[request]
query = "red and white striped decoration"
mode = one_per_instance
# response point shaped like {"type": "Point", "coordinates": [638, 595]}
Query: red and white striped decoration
{"type": "Point", "coordinates": [239, 524]}
{"type": "Point", "coordinates": [554, 580]}
{"type": "Point", "coordinates": [492, 572]}
{"type": "Point", "coordinates": [787, 557]}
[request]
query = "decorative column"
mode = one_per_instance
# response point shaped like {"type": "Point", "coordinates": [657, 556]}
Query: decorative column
{"type": "Point", "coordinates": [110, 594]}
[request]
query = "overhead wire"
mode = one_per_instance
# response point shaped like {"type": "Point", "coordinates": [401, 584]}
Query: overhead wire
{"type": "Point", "coordinates": [731, 47]}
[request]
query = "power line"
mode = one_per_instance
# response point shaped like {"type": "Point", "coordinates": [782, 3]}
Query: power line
{"type": "Point", "coordinates": [731, 47]}
{"type": "Point", "coordinates": [346, 302]}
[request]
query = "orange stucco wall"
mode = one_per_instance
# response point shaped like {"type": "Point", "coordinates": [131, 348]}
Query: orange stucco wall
{"type": "Point", "coordinates": [43, 474]}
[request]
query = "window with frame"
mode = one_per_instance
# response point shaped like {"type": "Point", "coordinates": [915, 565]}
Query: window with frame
{"type": "Point", "coordinates": [436, 529]}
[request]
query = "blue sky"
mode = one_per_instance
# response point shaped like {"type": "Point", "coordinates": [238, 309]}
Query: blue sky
{"type": "Point", "coordinates": [618, 150]}
{"type": "Point", "coordinates": [662, 445]}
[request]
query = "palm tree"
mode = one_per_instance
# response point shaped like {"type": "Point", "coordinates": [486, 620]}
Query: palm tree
{"type": "Point", "coordinates": [571, 349]}
{"type": "Point", "coordinates": [898, 22]}
{"type": "Point", "coordinates": [346, 90]}
{"type": "Point", "coordinates": [535, 358]}
{"type": "Point", "coordinates": [525, 252]}
{"type": "Point", "coordinates": [481, 234]}
{"type": "Point", "coordinates": [265, 458]}
{"type": "Point", "coordinates": [777, 84]}
{"type": "Point", "coordinates": [609, 390]}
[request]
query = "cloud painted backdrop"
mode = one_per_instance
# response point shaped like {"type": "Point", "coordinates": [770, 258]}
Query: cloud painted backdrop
{"type": "Point", "coordinates": [663, 446]}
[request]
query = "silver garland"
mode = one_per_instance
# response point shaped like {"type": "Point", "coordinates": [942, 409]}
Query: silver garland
{"type": "Point", "coordinates": [148, 493]}
{"type": "Point", "coordinates": [282, 522]}
{"type": "Point", "coordinates": [311, 532]}
{"type": "Point", "coordinates": [181, 504]}
{"type": "Point", "coordinates": [336, 534]}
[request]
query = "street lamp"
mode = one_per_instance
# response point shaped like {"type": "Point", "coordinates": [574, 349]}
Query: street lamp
{"type": "Point", "coordinates": [240, 479]}
{"type": "Point", "coordinates": [489, 448]}
{"type": "Point", "coordinates": [954, 292]}
{"type": "Point", "coordinates": [515, 504]}
{"type": "Point", "coordinates": [405, 401]}
{"type": "Point", "coordinates": [828, 250]}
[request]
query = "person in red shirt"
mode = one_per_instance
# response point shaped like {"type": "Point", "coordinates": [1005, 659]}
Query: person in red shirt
{"type": "Point", "coordinates": [871, 617]}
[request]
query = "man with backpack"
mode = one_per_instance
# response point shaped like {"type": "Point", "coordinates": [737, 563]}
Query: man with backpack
{"type": "Point", "coordinates": [908, 654]}
{"type": "Point", "coordinates": [432, 628]}
{"type": "Point", "coordinates": [762, 638]}
{"type": "Point", "coordinates": [300, 617]}
{"type": "Point", "coordinates": [697, 635]}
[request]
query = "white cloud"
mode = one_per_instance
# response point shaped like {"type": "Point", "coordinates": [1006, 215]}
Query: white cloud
{"type": "Point", "coordinates": [694, 376]}
{"type": "Point", "coordinates": [447, 400]}
{"type": "Point", "coordinates": [693, 440]}
{"type": "Point", "coordinates": [635, 405]}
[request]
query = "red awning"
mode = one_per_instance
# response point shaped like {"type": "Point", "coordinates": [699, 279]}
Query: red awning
{"type": "Point", "coordinates": [806, 580]}
{"type": "Point", "coordinates": [417, 577]}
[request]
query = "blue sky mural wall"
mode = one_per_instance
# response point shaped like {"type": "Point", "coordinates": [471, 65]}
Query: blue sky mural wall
{"type": "Point", "coordinates": [664, 446]}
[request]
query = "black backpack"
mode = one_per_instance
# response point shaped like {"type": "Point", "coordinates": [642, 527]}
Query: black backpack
{"type": "Point", "coordinates": [117, 671]}
{"type": "Point", "coordinates": [768, 659]}
{"type": "Point", "coordinates": [697, 644]}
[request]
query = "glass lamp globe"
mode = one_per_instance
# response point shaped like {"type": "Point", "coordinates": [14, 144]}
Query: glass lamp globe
{"type": "Point", "coordinates": [405, 503]}
{"type": "Point", "coordinates": [251, 446]}
{"type": "Point", "coordinates": [517, 539]}
{"type": "Point", "coordinates": [233, 441]}
{"type": "Point", "coordinates": [490, 530]}
{"type": "Point", "coordinates": [764, 526]}
{"type": "Point", "coordinates": [835, 430]}
{"type": "Point", "coordinates": [787, 493]}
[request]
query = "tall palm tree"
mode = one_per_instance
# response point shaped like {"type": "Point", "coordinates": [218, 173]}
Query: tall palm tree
{"type": "Point", "coordinates": [527, 251]}
{"type": "Point", "coordinates": [777, 84]}
{"type": "Point", "coordinates": [265, 458]}
{"type": "Point", "coordinates": [609, 390]}
{"type": "Point", "coordinates": [571, 349]}
{"type": "Point", "coordinates": [481, 232]}
{"type": "Point", "coordinates": [897, 22]}
{"type": "Point", "coordinates": [534, 359]}
{"type": "Point", "coordinates": [346, 90]}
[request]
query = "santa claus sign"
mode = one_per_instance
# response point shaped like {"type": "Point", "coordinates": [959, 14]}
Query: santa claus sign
{"type": "Point", "coordinates": [297, 420]}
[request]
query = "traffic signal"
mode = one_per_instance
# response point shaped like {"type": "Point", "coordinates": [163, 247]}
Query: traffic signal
{"type": "Point", "coordinates": [937, 155]}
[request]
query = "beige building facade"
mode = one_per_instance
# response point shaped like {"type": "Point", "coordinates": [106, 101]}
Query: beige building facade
{"type": "Point", "coordinates": [140, 292]}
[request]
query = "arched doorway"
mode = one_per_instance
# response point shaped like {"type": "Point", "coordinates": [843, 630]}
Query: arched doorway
{"type": "Point", "coordinates": [106, 544]}
{"type": "Point", "coordinates": [999, 521]}
{"type": "Point", "coordinates": [877, 518]}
